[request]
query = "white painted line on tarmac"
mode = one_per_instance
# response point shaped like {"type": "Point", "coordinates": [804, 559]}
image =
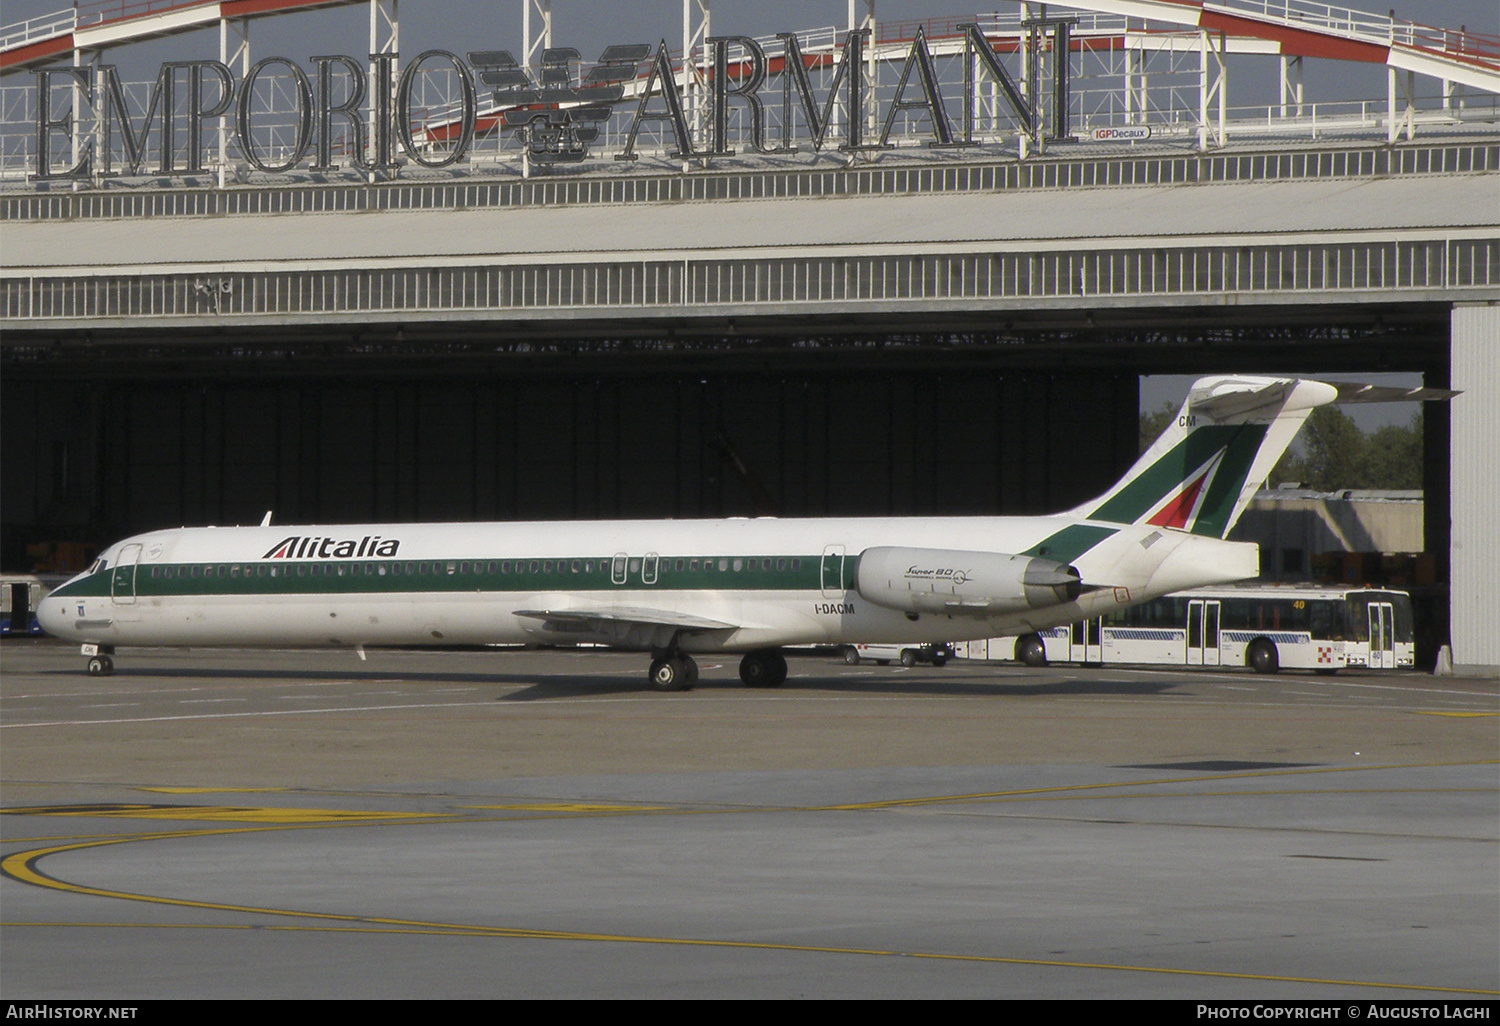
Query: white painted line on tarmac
{"type": "Point", "coordinates": [242, 715]}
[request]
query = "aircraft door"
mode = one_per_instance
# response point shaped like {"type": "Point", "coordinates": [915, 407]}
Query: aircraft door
{"type": "Point", "coordinates": [122, 577]}
{"type": "Point", "coordinates": [1382, 640]}
{"type": "Point", "coordinates": [833, 571]}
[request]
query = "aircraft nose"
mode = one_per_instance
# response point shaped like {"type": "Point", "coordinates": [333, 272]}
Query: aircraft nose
{"type": "Point", "coordinates": [52, 614]}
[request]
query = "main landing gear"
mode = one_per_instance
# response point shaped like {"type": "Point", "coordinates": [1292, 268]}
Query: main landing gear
{"type": "Point", "coordinates": [765, 668]}
{"type": "Point", "coordinates": [676, 672]}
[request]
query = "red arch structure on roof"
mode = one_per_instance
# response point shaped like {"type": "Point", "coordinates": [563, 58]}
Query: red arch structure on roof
{"type": "Point", "coordinates": [116, 22]}
{"type": "Point", "coordinates": [1306, 29]}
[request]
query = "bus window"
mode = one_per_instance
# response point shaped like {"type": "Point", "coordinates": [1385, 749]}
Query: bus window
{"type": "Point", "coordinates": [1324, 621]}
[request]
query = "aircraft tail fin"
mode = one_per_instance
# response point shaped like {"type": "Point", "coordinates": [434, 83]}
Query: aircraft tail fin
{"type": "Point", "coordinates": [1206, 467]}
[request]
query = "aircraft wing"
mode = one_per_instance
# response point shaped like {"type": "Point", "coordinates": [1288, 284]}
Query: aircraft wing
{"type": "Point", "coordinates": [620, 625]}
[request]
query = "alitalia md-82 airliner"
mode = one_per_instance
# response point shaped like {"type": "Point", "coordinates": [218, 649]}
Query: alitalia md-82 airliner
{"type": "Point", "coordinates": [680, 588]}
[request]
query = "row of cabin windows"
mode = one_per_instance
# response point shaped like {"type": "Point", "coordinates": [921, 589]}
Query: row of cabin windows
{"type": "Point", "coordinates": [465, 567]}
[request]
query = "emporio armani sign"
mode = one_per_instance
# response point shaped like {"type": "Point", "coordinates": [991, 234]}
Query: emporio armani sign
{"type": "Point", "coordinates": [557, 116]}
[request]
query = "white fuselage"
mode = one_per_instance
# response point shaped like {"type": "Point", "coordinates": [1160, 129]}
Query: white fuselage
{"type": "Point", "coordinates": [710, 585]}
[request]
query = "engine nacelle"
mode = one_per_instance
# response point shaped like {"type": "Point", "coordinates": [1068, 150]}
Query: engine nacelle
{"type": "Point", "coordinates": [958, 583]}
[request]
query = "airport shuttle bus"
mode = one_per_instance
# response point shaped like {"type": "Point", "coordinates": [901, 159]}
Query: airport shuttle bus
{"type": "Point", "coordinates": [20, 596]}
{"type": "Point", "coordinates": [1265, 628]}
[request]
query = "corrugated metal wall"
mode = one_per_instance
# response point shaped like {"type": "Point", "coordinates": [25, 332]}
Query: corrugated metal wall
{"type": "Point", "coordinates": [1475, 545]}
{"type": "Point", "coordinates": [95, 461]}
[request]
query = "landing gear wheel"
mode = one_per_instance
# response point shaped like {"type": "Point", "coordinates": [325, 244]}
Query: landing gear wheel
{"type": "Point", "coordinates": [851, 657]}
{"type": "Point", "coordinates": [908, 658]}
{"type": "Point", "coordinates": [1031, 651]}
{"type": "Point", "coordinates": [763, 669]}
{"type": "Point", "coordinates": [674, 674]}
{"type": "Point", "coordinates": [101, 666]}
{"type": "Point", "coordinates": [1262, 657]}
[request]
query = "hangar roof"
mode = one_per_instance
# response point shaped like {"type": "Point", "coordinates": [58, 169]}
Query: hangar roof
{"type": "Point", "coordinates": [1460, 205]}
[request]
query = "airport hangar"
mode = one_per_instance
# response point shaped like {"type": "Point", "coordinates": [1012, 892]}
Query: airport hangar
{"type": "Point", "coordinates": [915, 334]}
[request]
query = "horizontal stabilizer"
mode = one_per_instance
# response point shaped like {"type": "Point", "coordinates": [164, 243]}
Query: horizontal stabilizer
{"type": "Point", "coordinates": [1354, 392]}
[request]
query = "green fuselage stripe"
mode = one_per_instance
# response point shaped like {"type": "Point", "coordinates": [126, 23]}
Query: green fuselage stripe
{"type": "Point", "coordinates": [288, 577]}
{"type": "Point", "coordinates": [1070, 543]}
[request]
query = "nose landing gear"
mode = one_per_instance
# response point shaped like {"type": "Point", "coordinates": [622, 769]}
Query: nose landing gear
{"type": "Point", "coordinates": [100, 663]}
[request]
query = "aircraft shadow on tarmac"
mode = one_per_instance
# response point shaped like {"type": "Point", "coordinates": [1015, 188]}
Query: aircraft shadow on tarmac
{"type": "Point", "coordinates": [540, 686]}
{"type": "Point", "coordinates": [564, 686]}
{"type": "Point", "coordinates": [1012, 687]}
{"type": "Point", "coordinates": [305, 676]}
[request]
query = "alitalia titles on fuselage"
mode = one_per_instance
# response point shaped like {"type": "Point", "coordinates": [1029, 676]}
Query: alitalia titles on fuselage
{"type": "Point", "coordinates": [316, 547]}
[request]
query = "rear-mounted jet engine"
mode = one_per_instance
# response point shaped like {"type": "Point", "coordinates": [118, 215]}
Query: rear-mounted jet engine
{"type": "Point", "coordinates": [957, 583]}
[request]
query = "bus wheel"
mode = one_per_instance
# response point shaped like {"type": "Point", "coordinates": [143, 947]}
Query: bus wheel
{"type": "Point", "coordinates": [908, 658]}
{"type": "Point", "coordinates": [851, 657]}
{"type": "Point", "coordinates": [1261, 656]}
{"type": "Point", "coordinates": [1031, 651]}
